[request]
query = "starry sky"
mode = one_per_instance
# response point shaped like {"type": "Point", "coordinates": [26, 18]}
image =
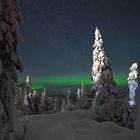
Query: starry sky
{"type": "Point", "coordinates": [58, 36]}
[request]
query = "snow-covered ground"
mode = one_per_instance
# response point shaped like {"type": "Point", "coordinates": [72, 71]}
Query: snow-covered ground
{"type": "Point", "coordinates": [76, 125]}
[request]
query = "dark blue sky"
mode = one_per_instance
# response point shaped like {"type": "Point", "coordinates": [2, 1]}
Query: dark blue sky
{"type": "Point", "coordinates": [58, 35]}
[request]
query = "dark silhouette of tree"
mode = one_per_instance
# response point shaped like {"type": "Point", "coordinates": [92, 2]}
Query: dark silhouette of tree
{"type": "Point", "coordinates": [9, 64]}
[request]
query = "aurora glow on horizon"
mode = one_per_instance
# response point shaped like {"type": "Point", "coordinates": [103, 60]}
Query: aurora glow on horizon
{"type": "Point", "coordinates": [70, 80]}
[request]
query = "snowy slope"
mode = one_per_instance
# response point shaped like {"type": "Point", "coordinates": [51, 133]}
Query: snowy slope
{"type": "Point", "coordinates": [77, 125]}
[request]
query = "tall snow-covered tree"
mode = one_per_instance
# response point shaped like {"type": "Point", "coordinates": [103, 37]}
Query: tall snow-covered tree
{"type": "Point", "coordinates": [133, 83]}
{"type": "Point", "coordinates": [101, 70]}
{"type": "Point", "coordinates": [105, 101]}
{"type": "Point", "coordinates": [129, 111]}
{"type": "Point", "coordinates": [9, 64]}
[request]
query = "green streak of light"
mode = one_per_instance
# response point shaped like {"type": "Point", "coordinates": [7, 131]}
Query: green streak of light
{"type": "Point", "coordinates": [120, 79]}
{"type": "Point", "coordinates": [37, 87]}
{"type": "Point", "coordinates": [40, 82]}
{"type": "Point", "coordinates": [62, 80]}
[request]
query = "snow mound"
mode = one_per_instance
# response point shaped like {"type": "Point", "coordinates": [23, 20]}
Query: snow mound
{"type": "Point", "coordinates": [76, 125]}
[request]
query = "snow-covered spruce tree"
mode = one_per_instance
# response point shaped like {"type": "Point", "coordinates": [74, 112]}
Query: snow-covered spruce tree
{"type": "Point", "coordinates": [78, 95]}
{"type": "Point", "coordinates": [19, 98]}
{"type": "Point", "coordinates": [44, 104]}
{"type": "Point", "coordinates": [129, 111]}
{"type": "Point", "coordinates": [101, 70]}
{"type": "Point", "coordinates": [137, 124]}
{"type": "Point", "coordinates": [9, 64]}
{"type": "Point", "coordinates": [66, 104]}
{"type": "Point", "coordinates": [28, 86]}
{"type": "Point", "coordinates": [28, 82]}
{"type": "Point", "coordinates": [57, 104]}
{"type": "Point", "coordinates": [28, 96]}
{"type": "Point", "coordinates": [30, 103]}
{"type": "Point", "coordinates": [133, 83]}
{"type": "Point", "coordinates": [36, 102]}
{"type": "Point", "coordinates": [51, 104]}
{"type": "Point", "coordinates": [105, 104]}
{"type": "Point", "coordinates": [69, 101]}
{"type": "Point", "coordinates": [63, 106]}
{"type": "Point", "coordinates": [25, 108]}
{"type": "Point", "coordinates": [23, 97]}
{"type": "Point", "coordinates": [84, 97]}
{"type": "Point", "coordinates": [78, 98]}
{"type": "Point", "coordinates": [28, 79]}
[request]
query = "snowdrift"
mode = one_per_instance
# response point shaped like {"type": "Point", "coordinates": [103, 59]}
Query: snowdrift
{"type": "Point", "coordinates": [76, 125]}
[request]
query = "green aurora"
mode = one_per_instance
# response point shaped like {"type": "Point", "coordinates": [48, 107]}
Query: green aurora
{"type": "Point", "coordinates": [70, 80]}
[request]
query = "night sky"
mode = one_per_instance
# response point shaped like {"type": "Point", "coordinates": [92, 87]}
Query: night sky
{"type": "Point", "coordinates": [58, 36]}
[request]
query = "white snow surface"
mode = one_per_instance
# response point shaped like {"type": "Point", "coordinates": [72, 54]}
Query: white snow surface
{"type": "Point", "coordinates": [75, 125]}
